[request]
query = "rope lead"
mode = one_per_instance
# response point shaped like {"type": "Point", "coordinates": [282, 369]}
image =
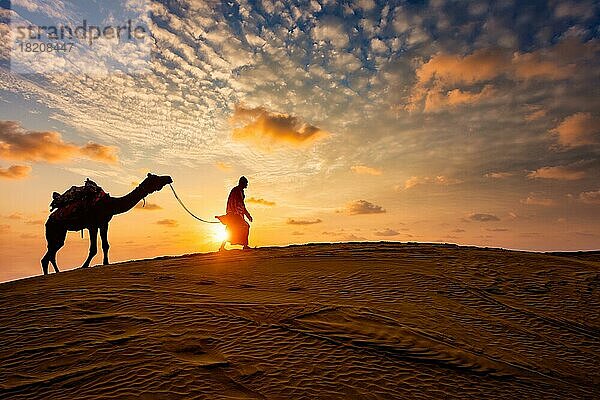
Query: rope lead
{"type": "Point", "coordinates": [189, 212]}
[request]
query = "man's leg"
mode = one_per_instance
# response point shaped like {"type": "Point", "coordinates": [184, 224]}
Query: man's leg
{"type": "Point", "coordinates": [245, 233]}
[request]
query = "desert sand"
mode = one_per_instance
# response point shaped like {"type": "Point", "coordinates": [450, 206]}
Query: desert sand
{"type": "Point", "coordinates": [335, 321]}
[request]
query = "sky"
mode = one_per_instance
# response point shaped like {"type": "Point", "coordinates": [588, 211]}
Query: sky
{"type": "Point", "coordinates": [466, 122]}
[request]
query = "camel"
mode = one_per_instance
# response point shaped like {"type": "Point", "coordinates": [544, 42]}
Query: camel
{"type": "Point", "coordinates": [97, 218]}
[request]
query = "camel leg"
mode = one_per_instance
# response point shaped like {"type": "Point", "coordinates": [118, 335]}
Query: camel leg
{"type": "Point", "coordinates": [45, 261]}
{"type": "Point", "coordinates": [56, 240]}
{"type": "Point", "coordinates": [93, 246]}
{"type": "Point", "coordinates": [53, 261]}
{"type": "Point", "coordinates": [105, 245]}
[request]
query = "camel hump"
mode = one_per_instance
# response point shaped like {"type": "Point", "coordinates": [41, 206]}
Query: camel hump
{"type": "Point", "coordinates": [89, 191]}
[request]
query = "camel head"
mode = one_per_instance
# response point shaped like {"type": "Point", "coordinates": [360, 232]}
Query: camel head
{"type": "Point", "coordinates": [154, 183]}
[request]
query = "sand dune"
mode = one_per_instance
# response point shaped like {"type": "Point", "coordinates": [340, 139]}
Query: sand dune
{"type": "Point", "coordinates": [340, 321]}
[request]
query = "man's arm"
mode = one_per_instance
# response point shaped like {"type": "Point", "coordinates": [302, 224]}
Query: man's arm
{"type": "Point", "coordinates": [246, 212]}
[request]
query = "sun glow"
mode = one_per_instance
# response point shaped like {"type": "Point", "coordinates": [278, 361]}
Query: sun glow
{"type": "Point", "coordinates": [219, 233]}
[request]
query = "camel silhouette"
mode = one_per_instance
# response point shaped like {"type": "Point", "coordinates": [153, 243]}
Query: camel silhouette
{"type": "Point", "coordinates": [97, 218]}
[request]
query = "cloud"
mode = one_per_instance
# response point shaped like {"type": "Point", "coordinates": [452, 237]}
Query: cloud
{"type": "Point", "coordinates": [560, 173]}
{"type": "Point", "coordinates": [353, 238]}
{"type": "Point", "coordinates": [15, 172]}
{"type": "Point", "coordinates": [171, 223]}
{"type": "Point", "coordinates": [291, 221]}
{"type": "Point", "coordinates": [444, 71]}
{"type": "Point", "coordinates": [591, 197]}
{"type": "Point", "coordinates": [223, 166]}
{"type": "Point", "coordinates": [537, 65]}
{"type": "Point", "coordinates": [586, 234]}
{"type": "Point", "coordinates": [331, 30]}
{"type": "Point", "coordinates": [366, 5]}
{"type": "Point", "coordinates": [148, 206]}
{"type": "Point", "coordinates": [363, 207]}
{"type": "Point", "coordinates": [499, 175]}
{"type": "Point", "coordinates": [35, 222]}
{"type": "Point", "coordinates": [16, 143]}
{"type": "Point", "coordinates": [364, 170]}
{"type": "Point", "coordinates": [378, 45]}
{"type": "Point", "coordinates": [387, 232]}
{"type": "Point", "coordinates": [14, 216]}
{"type": "Point", "coordinates": [578, 130]}
{"type": "Point", "coordinates": [569, 9]}
{"type": "Point", "coordinates": [438, 180]}
{"type": "Point", "coordinates": [297, 233]}
{"type": "Point", "coordinates": [533, 200]}
{"type": "Point", "coordinates": [266, 128]}
{"type": "Point", "coordinates": [99, 152]}
{"type": "Point", "coordinates": [262, 202]}
{"type": "Point", "coordinates": [483, 217]}
{"type": "Point", "coordinates": [497, 230]}
{"type": "Point", "coordinates": [536, 114]}
{"type": "Point", "coordinates": [436, 100]}
{"type": "Point", "coordinates": [344, 236]}
{"type": "Point", "coordinates": [448, 69]}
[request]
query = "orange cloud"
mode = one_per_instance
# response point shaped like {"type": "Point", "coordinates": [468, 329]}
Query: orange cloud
{"type": "Point", "coordinates": [481, 65]}
{"type": "Point", "coordinates": [534, 65]}
{"type": "Point", "coordinates": [532, 200]}
{"type": "Point", "coordinates": [15, 172]}
{"type": "Point", "coordinates": [266, 128]}
{"type": "Point", "coordinates": [364, 170]}
{"type": "Point", "coordinates": [559, 173]}
{"type": "Point", "coordinates": [99, 152]}
{"type": "Point", "coordinates": [363, 207]}
{"type": "Point", "coordinates": [535, 114]}
{"type": "Point", "coordinates": [291, 221]}
{"type": "Point", "coordinates": [578, 130]}
{"type": "Point", "coordinates": [591, 197]}
{"type": "Point", "coordinates": [17, 143]}
{"type": "Point", "coordinates": [171, 223]}
{"type": "Point", "coordinates": [262, 202]}
{"type": "Point", "coordinates": [438, 79]}
{"type": "Point", "coordinates": [387, 232]}
{"type": "Point", "coordinates": [438, 180]}
{"type": "Point", "coordinates": [457, 96]}
{"type": "Point", "coordinates": [499, 175]}
{"type": "Point", "coordinates": [223, 166]}
{"type": "Point", "coordinates": [148, 206]}
{"type": "Point", "coordinates": [14, 216]}
{"type": "Point", "coordinates": [436, 100]}
{"type": "Point", "coordinates": [481, 217]}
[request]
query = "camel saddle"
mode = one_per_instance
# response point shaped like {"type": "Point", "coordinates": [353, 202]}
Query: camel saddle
{"type": "Point", "coordinates": [76, 200]}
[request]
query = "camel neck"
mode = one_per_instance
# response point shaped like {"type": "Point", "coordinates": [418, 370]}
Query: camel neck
{"type": "Point", "coordinates": [127, 202]}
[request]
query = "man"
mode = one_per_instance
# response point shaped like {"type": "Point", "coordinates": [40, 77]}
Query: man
{"type": "Point", "coordinates": [237, 227]}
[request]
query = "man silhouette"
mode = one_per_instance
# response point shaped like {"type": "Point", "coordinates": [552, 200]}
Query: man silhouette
{"type": "Point", "coordinates": [237, 227]}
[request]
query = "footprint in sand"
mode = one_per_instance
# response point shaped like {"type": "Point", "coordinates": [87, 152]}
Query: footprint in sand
{"type": "Point", "coordinates": [247, 286]}
{"type": "Point", "coordinates": [164, 278]}
{"type": "Point", "coordinates": [196, 351]}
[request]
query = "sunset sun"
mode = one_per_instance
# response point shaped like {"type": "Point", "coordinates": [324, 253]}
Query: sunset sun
{"type": "Point", "coordinates": [219, 233]}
